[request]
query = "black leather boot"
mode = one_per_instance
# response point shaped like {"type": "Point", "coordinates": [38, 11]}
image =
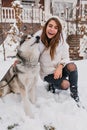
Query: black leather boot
{"type": "Point", "coordinates": [51, 88]}
{"type": "Point", "coordinates": [73, 79]}
{"type": "Point", "coordinates": [74, 93]}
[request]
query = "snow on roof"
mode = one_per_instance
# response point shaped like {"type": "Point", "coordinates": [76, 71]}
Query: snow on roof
{"type": "Point", "coordinates": [17, 2]}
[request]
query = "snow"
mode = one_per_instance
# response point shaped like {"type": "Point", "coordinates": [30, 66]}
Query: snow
{"type": "Point", "coordinates": [58, 110]}
{"type": "Point", "coordinates": [17, 3]}
{"type": "Point", "coordinates": [4, 67]}
{"type": "Point", "coordinates": [9, 47]}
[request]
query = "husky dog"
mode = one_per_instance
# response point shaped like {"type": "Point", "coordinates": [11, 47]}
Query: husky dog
{"type": "Point", "coordinates": [22, 78]}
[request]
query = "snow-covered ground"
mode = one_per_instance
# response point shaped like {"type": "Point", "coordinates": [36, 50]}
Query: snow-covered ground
{"type": "Point", "coordinates": [58, 110]}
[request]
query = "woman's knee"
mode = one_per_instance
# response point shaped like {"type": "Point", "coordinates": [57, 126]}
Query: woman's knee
{"type": "Point", "coordinates": [65, 84]}
{"type": "Point", "coordinates": [71, 67]}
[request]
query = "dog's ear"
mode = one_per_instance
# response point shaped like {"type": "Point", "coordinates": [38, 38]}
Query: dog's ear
{"type": "Point", "coordinates": [37, 39]}
{"type": "Point", "coordinates": [23, 38]}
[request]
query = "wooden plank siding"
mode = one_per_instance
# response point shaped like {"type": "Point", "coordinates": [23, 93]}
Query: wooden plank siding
{"type": "Point", "coordinates": [7, 3]}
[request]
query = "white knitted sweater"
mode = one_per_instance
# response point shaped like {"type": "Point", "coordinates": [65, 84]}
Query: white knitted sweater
{"type": "Point", "coordinates": [48, 66]}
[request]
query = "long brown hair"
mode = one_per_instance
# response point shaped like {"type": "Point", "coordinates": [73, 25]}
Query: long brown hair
{"type": "Point", "coordinates": [55, 40]}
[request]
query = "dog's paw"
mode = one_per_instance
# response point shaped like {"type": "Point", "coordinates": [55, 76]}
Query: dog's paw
{"type": "Point", "coordinates": [28, 110]}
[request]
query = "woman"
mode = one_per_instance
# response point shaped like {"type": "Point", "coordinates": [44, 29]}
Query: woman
{"type": "Point", "coordinates": [55, 66]}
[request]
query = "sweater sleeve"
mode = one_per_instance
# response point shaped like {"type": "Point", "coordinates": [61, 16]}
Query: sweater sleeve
{"type": "Point", "coordinates": [65, 54]}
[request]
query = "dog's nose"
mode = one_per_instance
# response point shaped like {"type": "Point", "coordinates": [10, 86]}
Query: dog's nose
{"type": "Point", "coordinates": [37, 39]}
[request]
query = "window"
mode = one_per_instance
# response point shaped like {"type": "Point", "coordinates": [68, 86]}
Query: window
{"type": "Point", "coordinates": [27, 2]}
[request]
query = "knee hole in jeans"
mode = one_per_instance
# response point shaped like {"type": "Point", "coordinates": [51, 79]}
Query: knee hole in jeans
{"type": "Point", "coordinates": [65, 84]}
{"type": "Point", "coordinates": [71, 67]}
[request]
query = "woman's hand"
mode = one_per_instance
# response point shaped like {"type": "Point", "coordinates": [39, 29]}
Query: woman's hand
{"type": "Point", "coordinates": [15, 63]}
{"type": "Point", "coordinates": [58, 72]}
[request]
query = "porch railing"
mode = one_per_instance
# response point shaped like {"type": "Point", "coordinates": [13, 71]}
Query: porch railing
{"type": "Point", "coordinates": [28, 16]}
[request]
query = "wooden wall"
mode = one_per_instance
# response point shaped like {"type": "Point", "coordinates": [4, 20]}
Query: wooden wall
{"type": "Point", "coordinates": [7, 3]}
{"type": "Point", "coordinates": [42, 2]}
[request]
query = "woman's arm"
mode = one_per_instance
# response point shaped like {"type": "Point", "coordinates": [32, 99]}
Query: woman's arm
{"type": "Point", "coordinates": [64, 60]}
{"type": "Point", "coordinates": [65, 55]}
{"type": "Point", "coordinates": [58, 71]}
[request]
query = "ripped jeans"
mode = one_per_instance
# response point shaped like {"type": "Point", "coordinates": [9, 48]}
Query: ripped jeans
{"type": "Point", "coordinates": [70, 74]}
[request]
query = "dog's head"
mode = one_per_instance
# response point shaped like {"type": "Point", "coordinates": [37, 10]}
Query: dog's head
{"type": "Point", "coordinates": [32, 40]}
{"type": "Point", "coordinates": [28, 51]}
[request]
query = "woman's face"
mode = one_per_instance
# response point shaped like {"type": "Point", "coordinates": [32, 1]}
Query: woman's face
{"type": "Point", "coordinates": [51, 29]}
